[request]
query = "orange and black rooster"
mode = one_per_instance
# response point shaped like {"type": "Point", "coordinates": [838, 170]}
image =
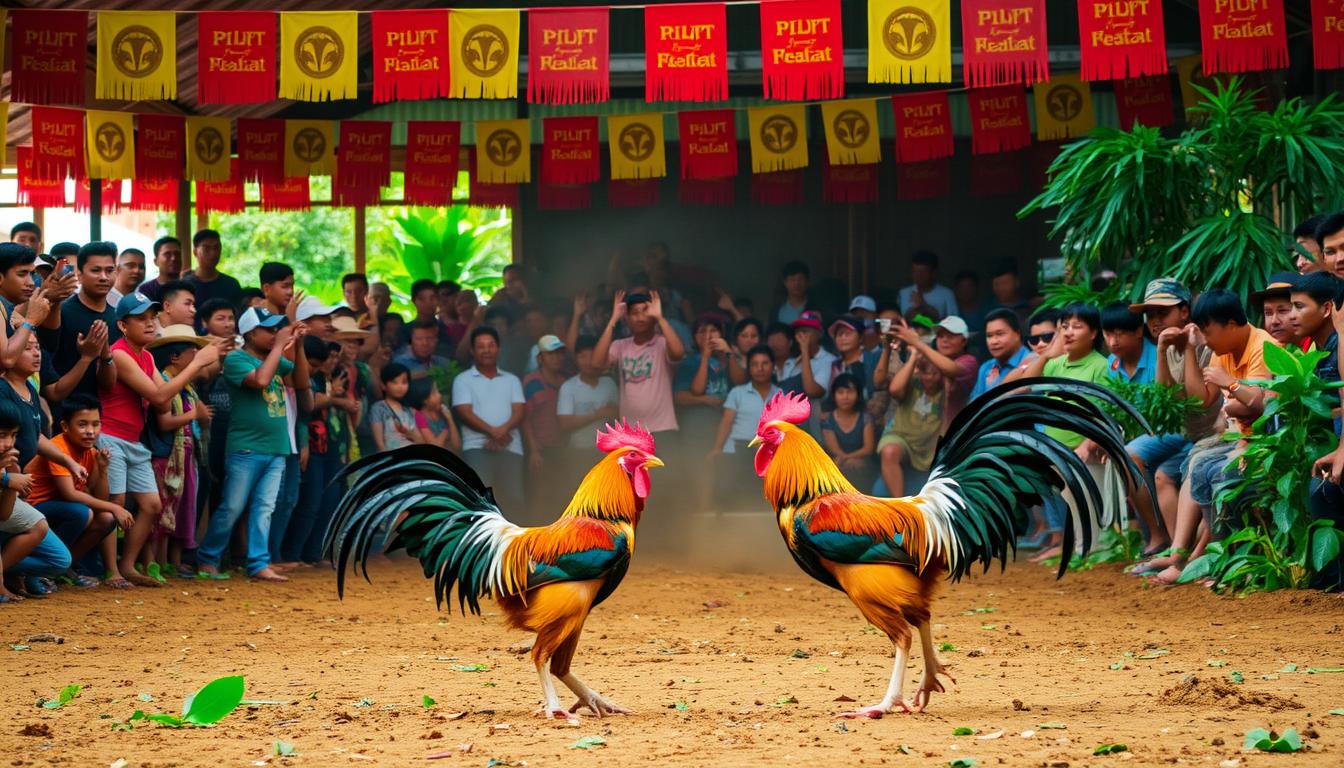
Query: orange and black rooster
{"type": "Point", "coordinates": [992, 465]}
{"type": "Point", "coordinates": [546, 579]}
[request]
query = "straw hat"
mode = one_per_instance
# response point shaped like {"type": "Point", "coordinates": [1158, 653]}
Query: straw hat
{"type": "Point", "coordinates": [178, 334]}
{"type": "Point", "coordinates": [346, 329]}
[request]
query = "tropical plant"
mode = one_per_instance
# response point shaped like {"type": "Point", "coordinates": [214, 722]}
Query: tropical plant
{"type": "Point", "coordinates": [470, 246]}
{"type": "Point", "coordinates": [1210, 206]}
{"type": "Point", "coordinates": [1279, 544]}
{"type": "Point", "coordinates": [1063, 294]}
{"type": "Point", "coordinates": [1164, 406]}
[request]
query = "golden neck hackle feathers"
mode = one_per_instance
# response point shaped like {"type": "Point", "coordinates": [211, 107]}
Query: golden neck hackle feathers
{"type": "Point", "coordinates": [801, 471]}
{"type": "Point", "coordinates": [606, 493]}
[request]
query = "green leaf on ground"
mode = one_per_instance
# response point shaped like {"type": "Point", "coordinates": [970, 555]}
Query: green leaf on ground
{"type": "Point", "coordinates": [681, 706]}
{"type": "Point", "coordinates": [785, 701]}
{"type": "Point", "coordinates": [974, 611]}
{"type": "Point", "coordinates": [172, 721]}
{"type": "Point", "coordinates": [962, 730]}
{"type": "Point", "coordinates": [1236, 677]}
{"type": "Point", "coordinates": [284, 749]}
{"type": "Point", "coordinates": [1155, 653]}
{"type": "Point", "coordinates": [588, 742]}
{"type": "Point", "coordinates": [904, 750]}
{"type": "Point", "coordinates": [214, 701]}
{"type": "Point", "coordinates": [19, 647]}
{"type": "Point", "coordinates": [67, 695]}
{"type": "Point", "coordinates": [989, 627]}
{"type": "Point", "coordinates": [1268, 741]}
{"type": "Point", "coordinates": [962, 762]}
{"type": "Point", "coordinates": [1118, 665]}
{"type": "Point", "coordinates": [1217, 662]}
{"type": "Point", "coordinates": [799, 653]}
{"type": "Point", "coordinates": [1052, 726]}
{"type": "Point", "coordinates": [1289, 668]}
{"type": "Point", "coordinates": [1321, 670]}
{"type": "Point", "coordinates": [145, 697]}
{"type": "Point", "coordinates": [427, 702]}
{"type": "Point", "coordinates": [1110, 749]}
{"type": "Point", "coordinates": [471, 667]}
{"type": "Point", "coordinates": [364, 702]}
{"type": "Point", "coordinates": [948, 648]}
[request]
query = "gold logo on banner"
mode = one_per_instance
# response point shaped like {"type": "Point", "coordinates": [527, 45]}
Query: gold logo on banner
{"type": "Point", "coordinates": [909, 33]}
{"type": "Point", "coordinates": [504, 147]}
{"type": "Point", "coordinates": [309, 145]}
{"type": "Point", "coordinates": [137, 51]}
{"type": "Point", "coordinates": [485, 50]}
{"type": "Point", "coordinates": [319, 52]}
{"type": "Point", "coordinates": [109, 141]}
{"type": "Point", "coordinates": [1064, 102]}
{"type": "Point", "coordinates": [636, 142]}
{"type": "Point", "coordinates": [851, 128]}
{"type": "Point", "coordinates": [779, 134]}
{"type": "Point", "coordinates": [209, 146]}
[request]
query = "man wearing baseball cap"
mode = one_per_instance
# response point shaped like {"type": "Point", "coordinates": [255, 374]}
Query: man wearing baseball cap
{"type": "Point", "coordinates": [847, 334]}
{"type": "Point", "coordinates": [948, 354]}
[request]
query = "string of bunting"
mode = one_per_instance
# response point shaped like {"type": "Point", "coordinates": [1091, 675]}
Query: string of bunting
{"type": "Point", "coordinates": [255, 56]}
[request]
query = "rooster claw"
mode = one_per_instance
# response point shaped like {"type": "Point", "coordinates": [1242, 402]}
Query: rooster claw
{"type": "Point", "coordinates": [871, 713]}
{"type": "Point", "coordinates": [600, 706]}
{"type": "Point", "coordinates": [551, 713]}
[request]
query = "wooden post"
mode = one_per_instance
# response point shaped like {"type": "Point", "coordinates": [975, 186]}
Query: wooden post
{"type": "Point", "coordinates": [40, 219]}
{"type": "Point", "coordinates": [183, 225]}
{"type": "Point", "coordinates": [95, 209]}
{"type": "Point", "coordinates": [361, 234]}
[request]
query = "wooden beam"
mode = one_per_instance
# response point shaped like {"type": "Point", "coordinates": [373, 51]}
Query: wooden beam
{"type": "Point", "coordinates": [182, 229]}
{"type": "Point", "coordinates": [361, 234]}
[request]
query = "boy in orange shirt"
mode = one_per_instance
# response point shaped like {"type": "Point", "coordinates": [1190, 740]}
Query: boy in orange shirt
{"type": "Point", "coordinates": [78, 511]}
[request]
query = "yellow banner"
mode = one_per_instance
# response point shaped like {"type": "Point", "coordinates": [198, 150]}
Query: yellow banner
{"type": "Point", "coordinates": [110, 139]}
{"type": "Point", "coordinates": [909, 41]}
{"type": "Point", "coordinates": [778, 138]}
{"type": "Point", "coordinates": [208, 148]}
{"type": "Point", "coordinates": [483, 54]}
{"type": "Point", "coordinates": [636, 143]}
{"type": "Point", "coordinates": [851, 132]}
{"type": "Point", "coordinates": [310, 148]}
{"type": "Point", "coordinates": [137, 55]}
{"type": "Point", "coordinates": [504, 151]}
{"type": "Point", "coordinates": [319, 55]}
{"type": "Point", "coordinates": [1063, 108]}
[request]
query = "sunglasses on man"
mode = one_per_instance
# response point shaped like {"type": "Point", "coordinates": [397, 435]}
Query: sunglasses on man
{"type": "Point", "coordinates": [1040, 338]}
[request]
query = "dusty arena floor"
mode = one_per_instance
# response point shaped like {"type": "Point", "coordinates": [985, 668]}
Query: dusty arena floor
{"type": "Point", "coordinates": [724, 669]}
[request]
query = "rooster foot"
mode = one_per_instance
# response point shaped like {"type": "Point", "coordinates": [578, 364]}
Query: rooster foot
{"type": "Point", "coordinates": [874, 712]}
{"type": "Point", "coordinates": [551, 713]}
{"type": "Point", "coordinates": [600, 706]}
{"type": "Point", "coordinates": [928, 686]}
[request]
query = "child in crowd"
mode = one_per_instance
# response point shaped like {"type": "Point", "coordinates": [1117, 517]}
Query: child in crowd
{"type": "Point", "coordinates": [645, 361]}
{"type": "Point", "coordinates": [392, 421]}
{"type": "Point", "coordinates": [847, 433]}
{"type": "Point", "coordinates": [584, 403]}
{"type": "Point", "coordinates": [329, 438]}
{"type": "Point", "coordinates": [173, 446]}
{"type": "Point", "coordinates": [917, 390]}
{"type": "Point", "coordinates": [432, 415]}
{"type": "Point", "coordinates": [28, 548]}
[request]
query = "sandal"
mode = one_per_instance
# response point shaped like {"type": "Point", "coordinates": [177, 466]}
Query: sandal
{"type": "Point", "coordinates": [79, 580]}
{"type": "Point", "coordinates": [34, 586]}
{"type": "Point", "coordinates": [156, 573]}
{"type": "Point", "coordinates": [11, 598]}
{"type": "Point", "coordinates": [117, 582]}
{"type": "Point", "coordinates": [204, 575]}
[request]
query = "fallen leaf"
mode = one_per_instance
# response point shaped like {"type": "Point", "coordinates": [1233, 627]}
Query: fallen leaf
{"type": "Point", "coordinates": [681, 706]}
{"type": "Point", "coordinates": [1110, 749]}
{"type": "Point", "coordinates": [1052, 726]}
{"type": "Point", "coordinates": [427, 702]}
{"type": "Point", "coordinates": [1236, 677]}
{"type": "Point", "coordinates": [471, 667]}
{"type": "Point", "coordinates": [588, 742]}
{"type": "Point", "coordinates": [1217, 662]}
{"type": "Point", "coordinates": [284, 749]}
{"type": "Point", "coordinates": [1337, 711]}
{"type": "Point", "coordinates": [799, 653]}
{"type": "Point", "coordinates": [1289, 668]}
{"type": "Point", "coordinates": [962, 762]}
{"type": "Point", "coordinates": [948, 648]}
{"type": "Point", "coordinates": [962, 730]}
{"type": "Point", "coordinates": [1319, 670]}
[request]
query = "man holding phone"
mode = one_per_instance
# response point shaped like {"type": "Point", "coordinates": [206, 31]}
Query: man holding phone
{"type": "Point", "coordinates": [79, 346]}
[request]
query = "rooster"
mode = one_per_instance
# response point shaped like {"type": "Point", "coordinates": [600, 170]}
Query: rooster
{"type": "Point", "coordinates": [544, 579]}
{"type": "Point", "coordinates": [992, 464]}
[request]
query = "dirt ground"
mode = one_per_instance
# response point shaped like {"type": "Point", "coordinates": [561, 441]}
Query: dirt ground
{"type": "Point", "coordinates": [723, 669]}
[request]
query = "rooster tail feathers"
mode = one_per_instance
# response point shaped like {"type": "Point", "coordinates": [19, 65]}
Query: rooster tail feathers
{"type": "Point", "coordinates": [993, 465]}
{"type": "Point", "coordinates": [428, 501]}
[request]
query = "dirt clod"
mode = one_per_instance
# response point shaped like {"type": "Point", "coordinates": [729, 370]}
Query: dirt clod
{"type": "Point", "coordinates": [36, 729]}
{"type": "Point", "coordinates": [1192, 690]}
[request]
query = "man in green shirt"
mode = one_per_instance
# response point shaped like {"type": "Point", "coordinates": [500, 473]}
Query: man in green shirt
{"type": "Point", "coordinates": [258, 439]}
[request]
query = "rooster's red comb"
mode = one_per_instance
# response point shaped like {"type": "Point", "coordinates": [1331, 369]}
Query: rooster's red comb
{"type": "Point", "coordinates": [791, 407]}
{"type": "Point", "coordinates": [622, 435]}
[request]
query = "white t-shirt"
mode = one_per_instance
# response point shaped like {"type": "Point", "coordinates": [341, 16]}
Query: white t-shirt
{"type": "Point", "coordinates": [576, 398]}
{"type": "Point", "coordinates": [747, 405]}
{"type": "Point", "coordinates": [492, 400]}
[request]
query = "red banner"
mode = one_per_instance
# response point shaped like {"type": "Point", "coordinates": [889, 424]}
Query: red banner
{"type": "Point", "coordinates": [686, 52]}
{"type": "Point", "coordinates": [1003, 42]}
{"type": "Point", "coordinates": [569, 150]}
{"type": "Point", "coordinates": [999, 120]}
{"type": "Point", "coordinates": [1242, 35]}
{"type": "Point", "coordinates": [564, 197]}
{"type": "Point", "coordinates": [235, 57]}
{"type": "Point", "coordinates": [777, 188]}
{"type": "Point", "coordinates": [707, 191]}
{"type": "Point", "coordinates": [35, 192]}
{"type": "Point", "coordinates": [261, 149]}
{"type": "Point", "coordinates": [632, 193]}
{"type": "Point", "coordinates": [363, 162]}
{"type": "Point", "coordinates": [160, 147]}
{"type": "Point", "coordinates": [1145, 100]}
{"type": "Point", "coordinates": [923, 126]}
{"type": "Point", "coordinates": [924, 181]}
{"type": "Point", "coordinates": [849, 183]}
{"type": "Point", "coordinates": [567, 55]}
{"type": "Point", "coordinates": [154, 194]}
{"type": "Point", "coordinates": [486, 195]}
{"type": "Point", "coordinates": [410, 55]}
{"type": "Point", "coordinates": [110, 202]}
{"type": "Point", "coordinates": [221, 196]}
{"type": "Point", "coordinates": [49, 53]}
{"type": "Point", "coordinates": [802, 53]}
{"type": "Point", "coordinates": [58, 142]}
{"type": "Point", "coordinates": [286, 195]}
{"type": "Point", "coordinates": [432, 148]}
{"type": "Point", "coordinates": [996, 175]}
{"type": "Point", "coordinates": [1121, 38]}
{"type": "Point", "coordinates": [708, 140]}
{"type": "Point", "coordinates": [1327, 33]}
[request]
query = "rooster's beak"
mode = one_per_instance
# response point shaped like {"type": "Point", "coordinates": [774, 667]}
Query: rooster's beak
{"type": "Point", "coordinates": [755, 441]}
{"type": "Point", "coordinates": [653, 461]}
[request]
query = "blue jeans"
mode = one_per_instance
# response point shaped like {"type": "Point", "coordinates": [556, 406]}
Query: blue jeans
{"type": "Point", "coordinates": [48, 558]}
{"type": "Point", "coordinates": [67, 519]}
{"type": "Point", "coordinates": [318, 497]}
{"type": "Point", "coordinates": [251, 484]}
{"type": "Point", "coordinates": [285, 506]}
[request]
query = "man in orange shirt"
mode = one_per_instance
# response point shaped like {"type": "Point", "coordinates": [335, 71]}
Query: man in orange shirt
{"type": "Point", "coordinates": [78, 510]}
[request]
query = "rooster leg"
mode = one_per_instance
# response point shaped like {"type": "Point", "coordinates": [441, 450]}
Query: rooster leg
{"type": "Point", "coordinates": [551, 707]}
{"type": "Point", "coordinates": [933, 666]}
{"type": "Point", "coordinates": [599, 704]}
{"type": "Point", "coordinates": [893, 697]}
